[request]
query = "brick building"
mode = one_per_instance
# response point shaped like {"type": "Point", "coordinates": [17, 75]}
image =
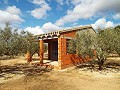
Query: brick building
{"type": "Point", "coordinates": [57, 46]}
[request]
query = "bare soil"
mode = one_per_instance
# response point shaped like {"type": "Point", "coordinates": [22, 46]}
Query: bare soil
{"type": "Point", "coordinates": [27, 77]}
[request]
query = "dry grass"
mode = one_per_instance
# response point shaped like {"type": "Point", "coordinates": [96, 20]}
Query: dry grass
{"type": "Point", "coordinates": [68, 79]}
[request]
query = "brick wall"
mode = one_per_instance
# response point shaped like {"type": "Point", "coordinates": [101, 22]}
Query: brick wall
{"type": "Point", "coordinates": [65, 59]}
{"type": "Point", "coordinates": [69, 34]}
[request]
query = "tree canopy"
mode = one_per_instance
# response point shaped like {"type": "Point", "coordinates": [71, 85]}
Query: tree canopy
{"type": "Point", "coordinates": [104, 42]}
{"type": "Point", "coordinates": [14, 43]}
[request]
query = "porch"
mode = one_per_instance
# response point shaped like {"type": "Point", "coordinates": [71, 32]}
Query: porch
{"type": "Point", "coordinates": [46, 61]}
{"type": "Point", "coordinates": [57, 41]}
{"type": "Point", "coordinates": [52, 55]}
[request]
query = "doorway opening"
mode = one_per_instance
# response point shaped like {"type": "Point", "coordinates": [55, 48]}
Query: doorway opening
{"type": "Point", "coordinates": [54, 51]}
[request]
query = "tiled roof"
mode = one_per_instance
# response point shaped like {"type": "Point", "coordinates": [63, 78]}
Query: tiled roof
{"type": "Point", "coordinates": [58, 32]}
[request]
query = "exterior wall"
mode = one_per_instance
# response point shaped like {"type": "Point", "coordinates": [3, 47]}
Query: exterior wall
{"type": "Point", "coordinates": [69, 34]}
{"type": "Point", "coordinates": [59, 52]}
{"type": "Point", "coordinates": [65, 59]}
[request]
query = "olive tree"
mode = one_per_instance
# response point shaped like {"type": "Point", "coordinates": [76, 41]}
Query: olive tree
{"type": "Point", "coordinates": [6, 39]}
{"type": "Point", "coordinates": [116, 32]}
{"type": "Point", "coordinates": [103, 43]}
{"type": "Point", "coordinates": [13, 43]}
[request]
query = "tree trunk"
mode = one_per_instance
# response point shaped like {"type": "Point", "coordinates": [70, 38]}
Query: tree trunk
{"type": "Point", "coordinates": [100, 67]}
{"type": "Point", "coordinates": [100, 63]}
{"type": "Point", "coordinates": [0, 70]}
{"type": "Point", "coordinates": [28, 57]}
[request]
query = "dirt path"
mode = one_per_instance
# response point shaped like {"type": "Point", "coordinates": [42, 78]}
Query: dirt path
{"type": "Point", "coordinates": [63, 80]}
{"type": "Point", "coordinates": [69, 79]}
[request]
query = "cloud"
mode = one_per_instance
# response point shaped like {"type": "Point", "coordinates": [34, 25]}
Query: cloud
{"type": "Point", "coordinates": [102, 23]}
{"type": "Point", "coordinates": [11, 14]}
{"type": "Point", "coordinates": [13, 10]}
{"type": "Point", "coordinates": [40, 12]}
{"type": "Point", "coordinates": [61, 2]}
{"type": "Point", "coordinates": [117, 16]}
{"type": "Point", "coordinates": [47, 27]}
{"type": "Point", "coordinates": [38, 2]}
{"type": "Point", "coordinates": [109, 24]}
{"type": "Point", "coordinates": [34, 30]}
{"type": "Point", "coordinates": [85, 9]}
{"type": "Point", "coordinates": [75, 1]}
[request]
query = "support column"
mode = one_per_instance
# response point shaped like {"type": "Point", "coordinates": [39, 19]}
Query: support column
{"type": "Point", "coordinates": [41, 51]}
{"type": "Point", "coordinates": [59, 52]}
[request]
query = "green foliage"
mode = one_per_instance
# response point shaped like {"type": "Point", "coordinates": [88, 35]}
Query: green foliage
{"type": "Point", "coordinates": [110, 40]}
{"type": "Point", "coordinates": [72, 46]}
{"type": "Point", "coordinates": [6, 40]}
{"type": "Point", "coordinates": [13, 43]}
{"type": "Point", "coordinates": [32, 46]}
{"type": "Point", "coordinates": [117, 39]}
{"type": "Point", "coordinates": [82, 44]}
{"type": "Point", "coordinates": [104, 42]}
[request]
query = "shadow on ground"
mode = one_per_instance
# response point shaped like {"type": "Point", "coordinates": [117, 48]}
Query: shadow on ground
{"type": "Point", "coordinates": [92, 66]}
{"type": "Point", "coordinates": [22, 69]}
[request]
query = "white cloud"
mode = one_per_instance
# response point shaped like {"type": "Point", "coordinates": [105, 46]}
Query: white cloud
{"type": "Point", "coordinates": [102, 23]}
{"type": "Point", "coordinates": [10, 16]}
{"type": "Point", "coordinates": [109, 24]}
{"type": "Point", "coordinates": [40, 12]}
{"type": "Point", "coordinates": [47, 27]}
{"type": "Point", "coordinates": [117, 16]}
{"type": "Point", "coordinates": [13, 10]}
{"type": "Point", "coordinates": [85, 9]}
{"type": "Point", "coordinates": [75, 1]}
{"type": "Point", "coordinates": [38, 2]}
{"type": "Point", "coordinates": [61, 2]}
{"type": "Point", "coordinates": [34, 30]}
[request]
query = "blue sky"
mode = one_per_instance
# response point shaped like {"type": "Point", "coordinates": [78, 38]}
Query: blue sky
{"type": "Point", "coordinates": [41, 16]}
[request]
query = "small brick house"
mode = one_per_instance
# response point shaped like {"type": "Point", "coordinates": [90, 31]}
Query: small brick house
{"type": "Point", "coordinates": [57, 46]}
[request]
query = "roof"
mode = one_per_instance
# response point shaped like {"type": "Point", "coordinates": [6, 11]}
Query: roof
{"type": "Point", "coordinates": [76, 28]}
{"type": "Point", "coordinates": [58, 32]}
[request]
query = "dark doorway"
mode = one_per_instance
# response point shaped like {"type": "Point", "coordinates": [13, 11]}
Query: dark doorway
{"type": "Point", "coordinates": [54, 54]}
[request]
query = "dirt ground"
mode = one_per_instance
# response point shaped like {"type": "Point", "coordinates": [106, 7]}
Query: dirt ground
{"type": "Point", "coordinates": [67, 79]}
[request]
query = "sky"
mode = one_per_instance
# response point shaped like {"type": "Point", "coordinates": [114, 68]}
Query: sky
{"type": "Point", "coordinates": [42, 16]}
